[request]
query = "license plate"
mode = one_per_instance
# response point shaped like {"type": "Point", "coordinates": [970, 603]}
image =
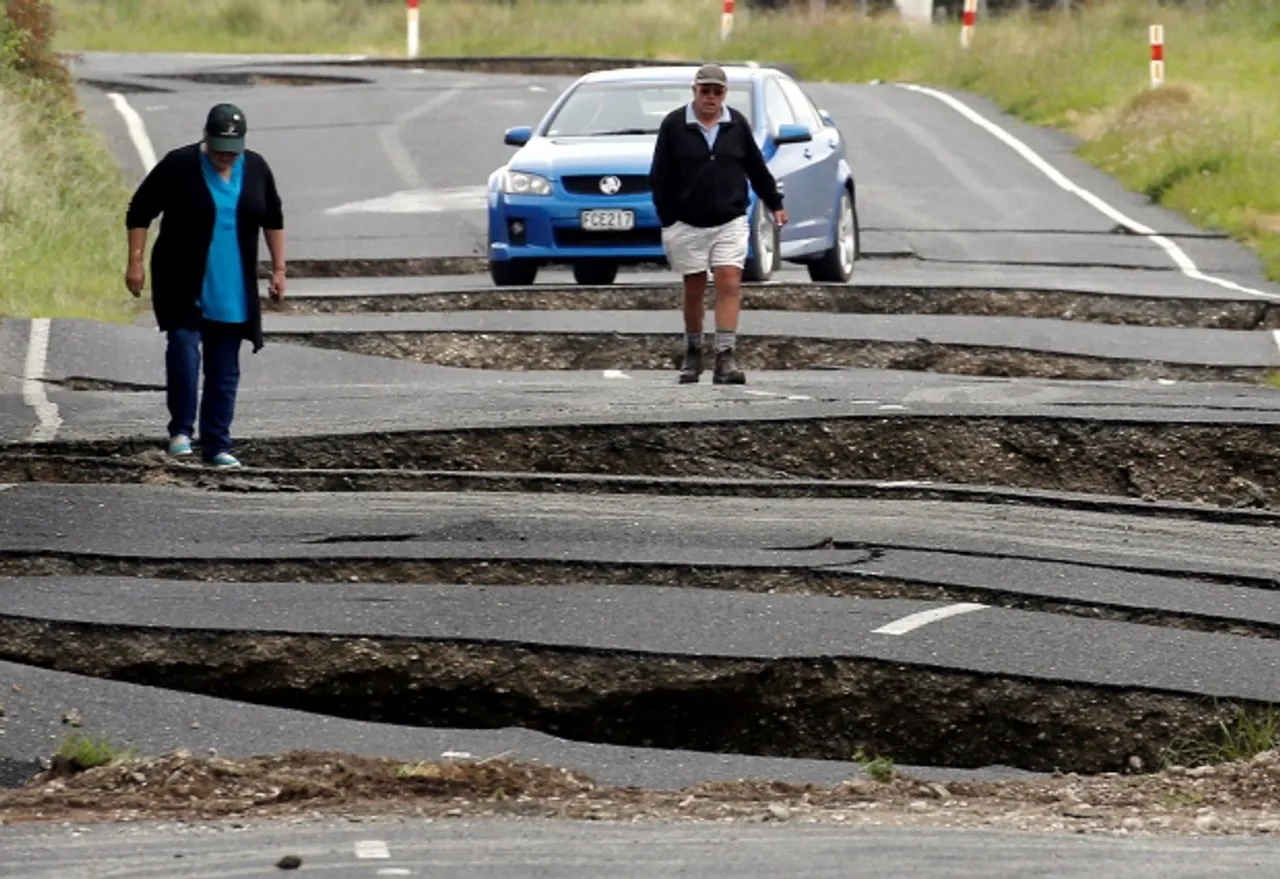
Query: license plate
{"type": "Point", "coordinates": [608, 221]}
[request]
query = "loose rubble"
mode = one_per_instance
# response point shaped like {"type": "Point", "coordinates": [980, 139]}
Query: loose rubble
{"type": "Point", "coordinates": [1240, 798]}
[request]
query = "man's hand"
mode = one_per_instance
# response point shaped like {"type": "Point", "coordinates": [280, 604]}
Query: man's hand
{"type": "Point", "coordinates": [134, 277]}
{"type": "Point", "coordinates": [781, 217]}
{"type": "Point", "coordinates": [276, 288]}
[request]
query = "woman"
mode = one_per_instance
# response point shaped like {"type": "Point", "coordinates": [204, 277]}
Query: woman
{"type": "Point", "coordinates": [215, 196]}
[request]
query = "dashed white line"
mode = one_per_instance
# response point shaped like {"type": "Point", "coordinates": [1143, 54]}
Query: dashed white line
{"type": "Point", "coordinates": [367, 849]}
{"type": "Point", "coordinates": [1275, 337]}
{"type": "Point", "coordinates": [47, 418]}
{"type": "Point", "coordinates": [6, 485]}
{"type": "Point", "coordinates": [925, 617]}
{"type": "Point", "coordinates": [137, 130]}
{"type": "Point", "coordinates": [615, 373]}
{"type": "Point", "coordinates": [1176, 253]}
{"type": "Point", "coordinates": [395, 871]}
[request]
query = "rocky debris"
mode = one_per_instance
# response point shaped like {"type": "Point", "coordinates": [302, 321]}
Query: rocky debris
{"type": "Point", "coordinates": [1238, 798]}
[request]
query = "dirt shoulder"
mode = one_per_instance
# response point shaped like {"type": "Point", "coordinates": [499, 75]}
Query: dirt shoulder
{"type": "Point", "coordinates": [1228, 799]}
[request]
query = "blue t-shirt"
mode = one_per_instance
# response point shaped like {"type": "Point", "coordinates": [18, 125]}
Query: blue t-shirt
{"type": "Point", "coordinates": [223, 298]}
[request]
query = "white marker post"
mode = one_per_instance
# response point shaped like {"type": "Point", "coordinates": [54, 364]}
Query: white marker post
{"type": "Point", "coordinates": [1157, 55]}
{"type": "Point", "coordinates": [413, 27]}
{"type": "Point", "coordinates": [726, 20]}
{"type": "Point", "coordinates": [967, 22]}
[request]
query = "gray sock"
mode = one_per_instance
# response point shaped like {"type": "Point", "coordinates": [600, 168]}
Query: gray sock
{"type": "Point", "coordinates": [725, 340]}
{"type": "Point", "coordinates": [693, 340]}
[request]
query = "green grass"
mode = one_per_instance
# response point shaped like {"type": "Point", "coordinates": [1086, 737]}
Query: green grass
{"type": "Point", "coordinates": [1205, 145]}
{"type": "Point", "coordinates": [1249, 733]}
{"type": "Point", "coordinates": [80, 752]}
{"type": "Point", "coordinates": [62, 200]}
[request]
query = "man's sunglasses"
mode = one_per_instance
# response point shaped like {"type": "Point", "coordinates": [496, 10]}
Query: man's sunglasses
{"type": "Point", "coordinates": [710, 90]}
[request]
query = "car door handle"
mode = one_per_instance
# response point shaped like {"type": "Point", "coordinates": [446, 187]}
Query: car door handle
{"type": "Point", "coordinates": [808, 153]}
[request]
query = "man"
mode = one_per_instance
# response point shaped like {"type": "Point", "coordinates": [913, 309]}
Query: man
{"type": "Point", "coordinates": [215, 197]}
{"type": "Point", "coordinates": [704, 155]}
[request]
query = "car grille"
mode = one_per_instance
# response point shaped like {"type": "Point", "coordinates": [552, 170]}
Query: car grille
{"type": "Point", "coordinates": [589, 184]}
{"type": "Point", "coordinates": [566, 237]}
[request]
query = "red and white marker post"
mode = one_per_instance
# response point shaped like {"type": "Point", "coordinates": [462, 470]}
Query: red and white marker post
{"type": "Point", "coordinates": [726, 20]}
{"type": "Point", "coordinates": [1157, 55]}
{"type": "Point", "coordinates": [412, 12]}
{"type": "Point", "coordinates": [967, 22]}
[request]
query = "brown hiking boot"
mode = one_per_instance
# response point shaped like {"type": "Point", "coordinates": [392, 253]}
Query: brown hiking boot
{"type": "Point", "coordinates": [691, 370]}
{"type": "Point", "coordinates": [725, 372]}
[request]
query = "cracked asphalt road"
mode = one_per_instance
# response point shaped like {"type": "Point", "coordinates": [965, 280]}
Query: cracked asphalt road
{"type": "Point", "coordinates": [1100, 598]}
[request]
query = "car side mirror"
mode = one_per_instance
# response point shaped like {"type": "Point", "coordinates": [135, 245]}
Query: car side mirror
{"type": "Point", "coordinates": [792, 133]}
{"type": "Point", "coordinates": [518, 136]}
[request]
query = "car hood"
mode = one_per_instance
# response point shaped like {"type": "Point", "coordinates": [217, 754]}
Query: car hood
{"type": "Point", "coordinates": [556, 157]}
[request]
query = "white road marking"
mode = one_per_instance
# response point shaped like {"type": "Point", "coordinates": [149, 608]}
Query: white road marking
{"type": "Point", "coordinates": [1176, 253]}
{"type": "Point", "coordinates": [6, 485]}
{"type": "Point", "coordinates": [799, 397]}
{"type": "Point", "coordinates": [394, 871]}
{"type": "Point", "coordinates": [615, 373]}
{"type": "Point", "coordinates": [448, 754]}
{"type": "Point", "coordinates": [47, 418]}
{"type": "Point", "coordinates": [1275, 337]}
{"type": "Point", "coordinates": [390, 135]}
{"type": "Point", "coordinates": [892, 406]}
{"type": "Point", "coordinates": [536, 88]}
{"type": "Point", "coordinates": [924, 617]}
{"type": "Point", "coordinates": [761, 393]}
{"type": "Point", "coordinates": [137, 130]}
{"type": "Point", "coordinates": [419, 201]}
{"type": "Point", "coordinates": [372, 848]}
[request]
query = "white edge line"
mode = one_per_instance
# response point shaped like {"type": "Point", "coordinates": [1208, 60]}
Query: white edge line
{"type": "Point", "coordinates": [137, 130]}
{"type": "Point", "coordinates": [47, 418]}
{"type": "Point", "coordinates": [1275, 337]}
{"type": "Point", "coordinates": [924, 617]}
{"type": "Point", "coordinates": [1176, 253]}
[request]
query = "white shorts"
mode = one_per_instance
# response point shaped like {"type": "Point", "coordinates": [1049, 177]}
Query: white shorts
{"type": "Point", "coordinates": [694, 249]}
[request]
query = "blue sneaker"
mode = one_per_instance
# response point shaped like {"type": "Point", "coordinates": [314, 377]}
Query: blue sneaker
{"type": "Point", "coordinates": [224, 461]}
{"type": "Point", "coordinates": [179, 446]}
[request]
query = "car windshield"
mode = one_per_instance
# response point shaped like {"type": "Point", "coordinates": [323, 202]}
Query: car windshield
{"type": "Point", "coordinates": [602, 109]}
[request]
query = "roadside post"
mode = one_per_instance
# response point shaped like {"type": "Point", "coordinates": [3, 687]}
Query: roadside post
{"type": "Point", "coordinates": [412, 12]}
{"type": "Point", "coordinates": [726, 20]}
{"type": "Point", "coordinates": [967, 22]}
{"type": "Point", "coordinates": [1157, 55]}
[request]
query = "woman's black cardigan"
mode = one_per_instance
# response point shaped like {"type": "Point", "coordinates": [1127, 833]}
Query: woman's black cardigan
{"type": "Point", "coordinates": [176, 188]}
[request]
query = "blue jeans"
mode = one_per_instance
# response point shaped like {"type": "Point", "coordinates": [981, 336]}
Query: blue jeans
{"type": "Point", "coordinates": [221, 381]}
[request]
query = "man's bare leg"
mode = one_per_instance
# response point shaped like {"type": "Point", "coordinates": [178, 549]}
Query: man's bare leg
{"type": "Point", "coordinates": [695, 306]}
{"type": "Point", "coordinates": [728, 307]}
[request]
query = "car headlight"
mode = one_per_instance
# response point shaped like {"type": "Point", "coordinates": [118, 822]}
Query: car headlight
{"type": "Point", "coordinates": [524, 183]}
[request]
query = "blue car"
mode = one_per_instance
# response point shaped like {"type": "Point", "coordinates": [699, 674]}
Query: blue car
{"type": "Point", "coordinates": [576, 191]}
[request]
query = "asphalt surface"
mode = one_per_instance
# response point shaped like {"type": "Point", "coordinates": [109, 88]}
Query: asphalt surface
{"type": "Point", "coordinates": [572, 850]}
{"type": "Point", "coordinates": [392, 165]}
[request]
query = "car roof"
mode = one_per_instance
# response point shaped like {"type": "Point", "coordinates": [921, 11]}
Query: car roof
{"type": "Point", "coordinates": [683, 74]}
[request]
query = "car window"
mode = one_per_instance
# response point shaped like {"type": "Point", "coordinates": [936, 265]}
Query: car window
{"type": "Point", "coordinates": [806, 113]}
{"type": "Point", "coordinates": [633, 107]}
{"type": "Point", "coordinates": [776, 106]}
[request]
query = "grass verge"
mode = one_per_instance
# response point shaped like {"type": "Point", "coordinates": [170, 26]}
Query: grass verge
{"type": "Point", "coordinates": [62, 196]}
{"type": "Point", "coordinates": [1204, 145]}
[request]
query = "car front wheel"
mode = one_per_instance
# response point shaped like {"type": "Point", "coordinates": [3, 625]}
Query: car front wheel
{"type": "Point", "coordinates": [513, 272]}
{"type": "Point", "coordinates": [836, 265]}
{"type": "Point", "coordinates": [595, 274]}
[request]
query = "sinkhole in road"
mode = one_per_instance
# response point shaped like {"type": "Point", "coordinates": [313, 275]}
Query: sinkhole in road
{"type": "Point", "coordinates": [1228, 464]}
{"type": "Point", "coordinates": [810, 708]}
{"type": "Point", "coordinates": [1133, 310]}
{"type": "Point", "coordinates": [521, 351]}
